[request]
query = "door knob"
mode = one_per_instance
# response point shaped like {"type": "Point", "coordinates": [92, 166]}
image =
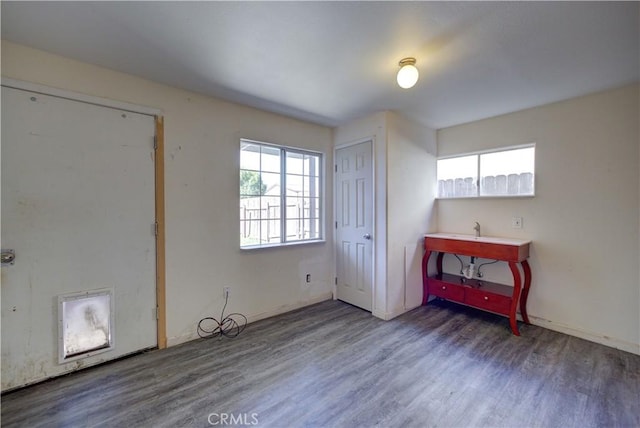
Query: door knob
{"type": "Point", "coordinates": [366, 236]}
{"type": "Point", "coordinates": [7, 257]}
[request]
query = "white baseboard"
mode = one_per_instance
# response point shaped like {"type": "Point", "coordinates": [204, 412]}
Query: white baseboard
{"type": "Point", "coordinates": [177, 340]}
{"type": "Point", "coordinates": [389, 315]}
{"type": "Point", "coordinates": [410, 308]}
{"type": "Point", "coordinates": [292, 307]}
{"type": "Point", "coordinates": [612, 342]}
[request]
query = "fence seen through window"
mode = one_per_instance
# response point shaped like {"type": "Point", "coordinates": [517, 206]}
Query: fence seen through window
{"type": "Point", "coordinates": [508, 172]}
{"type": "Point", "coordinates": [280, 195]}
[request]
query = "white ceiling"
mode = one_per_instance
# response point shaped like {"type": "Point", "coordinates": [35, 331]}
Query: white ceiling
{"type": "Point", "coordinates": [332, 62]}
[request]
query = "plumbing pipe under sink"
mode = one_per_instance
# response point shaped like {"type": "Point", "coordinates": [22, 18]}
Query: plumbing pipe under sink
{"type": "Point", "coordinates": [469, 271]}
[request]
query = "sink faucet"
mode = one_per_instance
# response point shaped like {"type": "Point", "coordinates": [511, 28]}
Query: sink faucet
{"type": "Point", "coordinates": [477, 229]}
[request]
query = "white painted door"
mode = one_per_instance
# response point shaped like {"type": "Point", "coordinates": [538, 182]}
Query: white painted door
{"type": "Point", "coordinates": [354, 224]}
{"type": "Point", "coordinates": [78, 203]}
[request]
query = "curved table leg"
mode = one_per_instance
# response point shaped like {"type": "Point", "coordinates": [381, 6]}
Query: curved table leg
{"type": "Point", "coordinates": [525, 291]}
{"type": "Point", "coordinates": [517, 285]}
{"type": "Point", "coordinates": [425, 288]}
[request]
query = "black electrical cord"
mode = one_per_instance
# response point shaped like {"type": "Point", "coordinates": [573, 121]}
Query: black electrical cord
{"type": "Point", "coordinates": [227, 326]}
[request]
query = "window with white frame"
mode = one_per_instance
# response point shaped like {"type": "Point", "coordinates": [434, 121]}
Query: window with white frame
{"type": "Point", "coordinates": [280, 195]}
{"type": "Point", "coordinates": [497, 173]}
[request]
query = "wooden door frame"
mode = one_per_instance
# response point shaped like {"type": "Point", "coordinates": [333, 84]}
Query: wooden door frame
{"type": "Point", "coordinates": [161, 301]}
{"type": "Point", "coordinates": [372, 141]}
{"type": "Point", "coordinates": [161, 328]}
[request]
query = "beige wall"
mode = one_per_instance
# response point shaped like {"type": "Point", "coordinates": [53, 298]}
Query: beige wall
{"type": "Point", "coordinates": [584, 218]}
{"type": "Point", "coordinates": [411, 176]}
{"type": "Point", "coordinates": [202, 159]}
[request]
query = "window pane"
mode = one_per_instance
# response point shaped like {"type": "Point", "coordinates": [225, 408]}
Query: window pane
{"type": "Point", "coordinates": [260, 208]}
{"type": "Point", "coordinates": [295, 185]}
{"type": "Point", "coordinates": [295, 163]}
{"type": "Point", "coordinates": [251, 184]}
{"type": "Point", "coordinates": [259, 232]}
{"type": "Point", "coordinates": [249, 232]}
{"type": "Point", "coordinates": [311, 186]}
{"type": "Point", "coordinates": [270, 159]}
{"type": "Point", "coordinates": [509, 172]}
{"type": "Point", "coordinates": [295, 230]}
{"type": "Point", "coordinates": [298, 185]}
{"type": "Point", "coordinates": [270, 231]}
{"type": "Point", "coordinates": [250, 208]}
{"type": "Point", "coordinates": [303, 207]}
{"type": "Point", "coordinates": [312, 165]}
{"type": "Point", "coordinates": [249, 156]}
{"type": "Point", "coordinates": [270, 208]}
{"type": "Point", "coordinates": [457, 177]}
{"type": "Point", "coordinates": [314, 208]}
{"type": "Point", "coordinates": [301, 229]}
{"type": "Point", "coordinates": [295, 207]}
{"type": "Point", "coordinates": [314, 229]}
{"type": "Point", "coordinates": [262, 187]}
{"type": "Point", "coordinates": [272, 183]}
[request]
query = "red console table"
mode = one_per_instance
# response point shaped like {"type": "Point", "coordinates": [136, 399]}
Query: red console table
{"type": "Point", "coordinates": [493, 297]}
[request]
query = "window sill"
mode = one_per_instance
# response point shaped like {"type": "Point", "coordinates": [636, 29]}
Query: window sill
{"type": "Point", "coordinates": [487, 197]}
{"type": "Point", "coordinates": [281, 245]}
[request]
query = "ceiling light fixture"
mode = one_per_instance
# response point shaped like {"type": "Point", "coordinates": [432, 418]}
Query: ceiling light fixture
{"type": "Point", "coordinates": [408, 73]}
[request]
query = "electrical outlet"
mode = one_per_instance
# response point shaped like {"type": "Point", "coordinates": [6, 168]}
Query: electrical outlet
{"type": "Point", "coordinates": [516, 222]}
{"type": "Point", "coordinates": [226, 292]}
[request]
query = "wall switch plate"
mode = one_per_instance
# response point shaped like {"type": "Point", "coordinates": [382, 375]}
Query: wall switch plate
{"type": "Point", "coordinates": [516, 222]}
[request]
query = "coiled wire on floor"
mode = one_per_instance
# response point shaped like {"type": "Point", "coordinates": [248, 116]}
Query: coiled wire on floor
{"type": "Point", "coordinates": [229, 326]}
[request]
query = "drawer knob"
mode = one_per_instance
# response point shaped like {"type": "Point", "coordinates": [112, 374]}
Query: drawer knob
{"type": "Point", "coordinates": [444, 288]}
{"type": "Point", "coordinates": [486, 298]}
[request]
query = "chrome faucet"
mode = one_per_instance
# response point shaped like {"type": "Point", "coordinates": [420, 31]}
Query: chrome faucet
{"type": "Point", "coordinates": [477, 229]}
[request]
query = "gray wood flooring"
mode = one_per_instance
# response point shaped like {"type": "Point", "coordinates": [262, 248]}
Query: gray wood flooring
{"type": "Point", "coordinates": [333, 365]}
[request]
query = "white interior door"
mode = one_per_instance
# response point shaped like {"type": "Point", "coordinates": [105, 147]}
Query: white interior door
{"type": "Point", "coordinates": [78, 199]}
{"type": "Point", "coordinates": [354, 228]}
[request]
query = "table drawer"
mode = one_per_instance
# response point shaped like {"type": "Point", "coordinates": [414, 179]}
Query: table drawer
{"type": "Point", "coordinates": [489, 301]}
{"type": "Point", "coordinates": [446, 290]}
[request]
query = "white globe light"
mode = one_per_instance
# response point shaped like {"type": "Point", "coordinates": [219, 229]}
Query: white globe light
{"type": "Point", "coordinates": [407, 76]}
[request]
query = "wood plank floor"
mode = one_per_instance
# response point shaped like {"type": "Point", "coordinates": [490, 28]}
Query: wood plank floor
{"type": "Point", "coordinates": [333, 365]}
